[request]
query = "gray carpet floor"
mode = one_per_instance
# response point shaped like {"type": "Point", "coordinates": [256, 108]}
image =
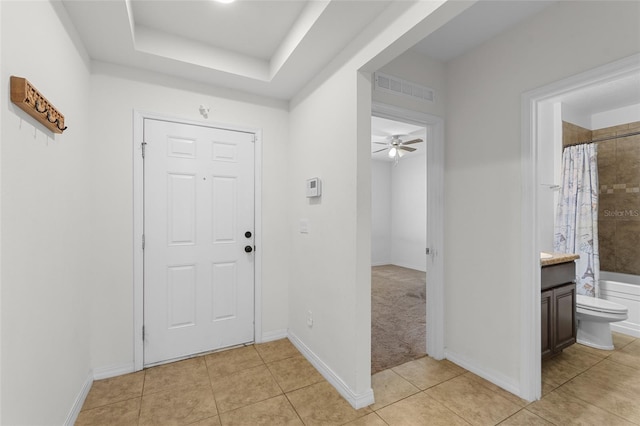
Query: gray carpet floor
{"type": "Point", "coordinates": [398, 316]}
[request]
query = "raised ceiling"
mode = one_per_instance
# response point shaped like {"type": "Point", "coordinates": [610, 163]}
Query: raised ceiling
{"type": "Point", "coordinates": [266, 47]}
{"type": "Point", "coordinates": [273, 48]}
{"type": "Point", "coordinates": [231, 27]}
{"type": "Point", "coordinates": [270, 48]}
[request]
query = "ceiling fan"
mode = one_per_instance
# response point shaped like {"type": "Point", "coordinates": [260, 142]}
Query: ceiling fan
{"type": "Point", "coordinates": [397, 147]}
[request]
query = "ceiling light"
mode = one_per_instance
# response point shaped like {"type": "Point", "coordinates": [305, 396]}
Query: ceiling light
{"type": "Point", "coordinates": [392, 152]}
{"type": "Point", "coordinates": [224, 1]}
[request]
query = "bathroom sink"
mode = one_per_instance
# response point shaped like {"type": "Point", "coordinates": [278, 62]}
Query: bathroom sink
{"type": "Point", "coordinates": [544, 255]}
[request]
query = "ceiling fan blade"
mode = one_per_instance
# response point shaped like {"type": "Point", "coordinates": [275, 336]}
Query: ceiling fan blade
{"type": "Point", "coordinates": [380, 150]}
{"type": "Point", "coordinates": [406, 148]}
{"type": "Point", "coordinates": [413, 141]}
{"type": "Point", "coordinates": [381, 143]}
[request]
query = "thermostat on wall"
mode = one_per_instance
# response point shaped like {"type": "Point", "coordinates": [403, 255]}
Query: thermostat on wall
{"type": "Point", "coordinates": [314, 187]}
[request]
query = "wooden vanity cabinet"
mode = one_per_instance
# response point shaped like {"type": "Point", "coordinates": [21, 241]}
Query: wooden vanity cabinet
{"type": "Point", "coordinates": [558, 308]}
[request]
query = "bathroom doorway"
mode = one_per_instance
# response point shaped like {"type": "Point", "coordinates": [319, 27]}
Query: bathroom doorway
{"type": "Point", "coordinates": [577, 98]}
{"type": "Point", "coordinates": [407, 248]}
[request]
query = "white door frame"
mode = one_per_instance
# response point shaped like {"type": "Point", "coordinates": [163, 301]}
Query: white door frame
{"type": "Point", "coordinates": [138, 225]}
{"type": "Point", "coordinates": [435, 216]}
{"type": "Point", "coordinates": [530, 368]}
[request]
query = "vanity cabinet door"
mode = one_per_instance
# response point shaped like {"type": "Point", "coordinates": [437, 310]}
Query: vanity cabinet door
{"type": "Point", "coordinates": [546, 316]}
{"type": "Point", "coordinates": [564, 299]}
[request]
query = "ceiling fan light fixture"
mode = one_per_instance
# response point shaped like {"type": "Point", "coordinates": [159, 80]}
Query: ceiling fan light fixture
{"type": "Point", "coordinates": [392, 152]}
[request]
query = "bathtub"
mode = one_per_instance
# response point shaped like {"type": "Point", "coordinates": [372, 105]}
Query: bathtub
{"type": "Point", "coordinates": [623, 289]}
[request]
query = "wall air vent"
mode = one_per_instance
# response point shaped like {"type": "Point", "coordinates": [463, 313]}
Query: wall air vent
{"type": "Point", "coordinates": [390, 84]}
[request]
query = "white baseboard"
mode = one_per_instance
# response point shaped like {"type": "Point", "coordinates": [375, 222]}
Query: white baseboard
{"type": "Point", "coordinates": [112, 371]}
{"type": "Point", "coordinates": [79, 402]}
{"type": "Point", "coordinates": [494, 377]}
{"type": "Point", "coordinates": [357, 401]}
{"type": "Point", "coordinates": [272, 335]}
{"type": "Point", "coordinates": [628, 328]}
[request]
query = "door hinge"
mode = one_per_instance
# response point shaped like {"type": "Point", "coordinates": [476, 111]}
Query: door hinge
{"type": "Point", "coordinates": [143, 333]}
{"type": "Point", "coordinates": [427, 250]}
{"type": "Point", "coordinates": [143, 241]}
{"type": "Point", "coordinates": [144, 148]}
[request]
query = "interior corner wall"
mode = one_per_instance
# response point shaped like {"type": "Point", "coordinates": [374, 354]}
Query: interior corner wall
{"type": "Point", "coordinates": [115, 93]}
{"type": "Point", "coordinates": [399, 213]}
{"type": "Point", "coordinates": [549, 123]}
{"type": "Point", "coordinates": [380, 213]}
{"type": "Point", "coordinates": [409, 213]}
{"type": "Point", "coordinates": [483, 169]}
{"type": "Point", "coordinates": [46, 222]}
{"type": "Point", "coordinates": [575, 116]}
{"type": "Point", "coordinates": [322, 267]}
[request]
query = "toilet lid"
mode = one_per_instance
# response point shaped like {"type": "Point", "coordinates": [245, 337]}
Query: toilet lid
{"type": "Point", "coordinates": [600, 305]}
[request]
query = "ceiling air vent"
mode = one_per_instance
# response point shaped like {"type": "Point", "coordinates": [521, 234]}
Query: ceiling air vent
{"type": "Point", "coordinates": [390, 84]}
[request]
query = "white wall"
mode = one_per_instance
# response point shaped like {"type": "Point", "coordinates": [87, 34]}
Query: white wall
{"type": "Point", "coordinates": [399, 213]}
{"type": "Point", "coordinates": [409, 213]}
{"type": "Point", "coordinates": [550, 129]}
{"type": "Point", "coordinates": [46, 223]}
{"type": "Point", "coordinates": [380, 212]}
{"type": "Point", "coordinates": [323, 272]}
{"type": "Point", "coordinates": [483, 172]}
{"type": "Point", "coordinates": [115, 92]}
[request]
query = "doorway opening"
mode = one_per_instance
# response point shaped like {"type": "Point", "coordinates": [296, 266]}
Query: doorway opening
{"type": "Point", "coordinates": [419, 260]}
{"type": "Point", "coordinates": [542, 111]}
{"type": "Point", "coordinates": [399, 238]}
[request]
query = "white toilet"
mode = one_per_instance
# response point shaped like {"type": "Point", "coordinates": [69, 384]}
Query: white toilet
{"type": "Point", "coordinates": [594, 316]}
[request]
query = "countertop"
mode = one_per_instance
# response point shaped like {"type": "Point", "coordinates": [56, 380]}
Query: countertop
{"type": "Point", "coordinates": [558, 258]}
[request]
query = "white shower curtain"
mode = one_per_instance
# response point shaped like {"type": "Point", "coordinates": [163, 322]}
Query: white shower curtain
{"type": "Point", "coordinates": [576, 225]}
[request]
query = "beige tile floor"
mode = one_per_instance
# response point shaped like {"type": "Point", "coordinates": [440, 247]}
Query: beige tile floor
{"type": "Point", "coordinates": [272, 384]}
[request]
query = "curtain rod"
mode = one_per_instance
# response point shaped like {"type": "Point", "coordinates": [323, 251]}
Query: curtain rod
{"type": "Point", "coordinates": [602, 139]}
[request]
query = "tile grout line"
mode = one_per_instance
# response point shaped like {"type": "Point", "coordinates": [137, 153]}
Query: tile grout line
{"type": "Point", "coordinates": [144, 380]}
{"type": "Point", "coordinates": [583, 372]}
{"type": "Point", "coordinates": [215, 401]}
{"type": "Point", "coordinates": [282, 390]}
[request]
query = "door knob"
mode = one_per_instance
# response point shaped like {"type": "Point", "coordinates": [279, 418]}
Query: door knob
{"type": "Point", "coordinates": [248, 249]}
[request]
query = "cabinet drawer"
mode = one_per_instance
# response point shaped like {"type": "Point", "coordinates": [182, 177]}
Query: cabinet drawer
{"type": "Point", "coordinates": [555, 275]}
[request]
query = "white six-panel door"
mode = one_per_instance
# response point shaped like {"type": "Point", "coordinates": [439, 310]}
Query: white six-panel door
{"type": "Point", "coordinates": [198, 227]}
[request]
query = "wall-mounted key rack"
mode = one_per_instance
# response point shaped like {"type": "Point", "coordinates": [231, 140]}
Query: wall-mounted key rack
{"type": "Point", "coordinates": [27, 98]}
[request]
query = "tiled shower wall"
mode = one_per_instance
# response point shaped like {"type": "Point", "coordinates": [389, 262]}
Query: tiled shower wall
{"type": "Point", "coordinates": [619, 203]}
